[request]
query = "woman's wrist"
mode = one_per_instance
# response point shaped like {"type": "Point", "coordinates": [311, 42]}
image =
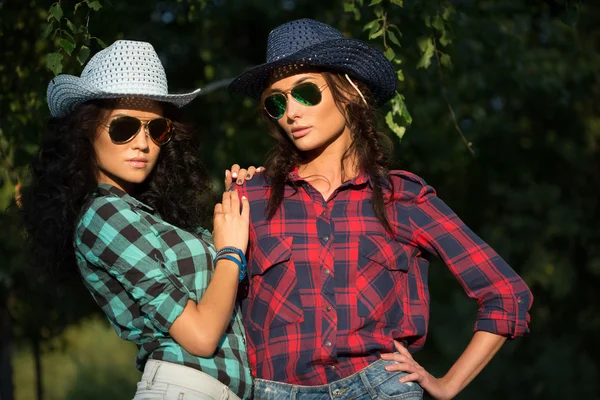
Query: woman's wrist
{"type": "Point", "coordinates": [235, 255]}
{"type": "Point", "coordinates": [453, 388]}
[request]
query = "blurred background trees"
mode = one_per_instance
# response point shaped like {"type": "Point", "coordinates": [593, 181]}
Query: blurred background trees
{"type": "Point", "coordinates": [518, 79]}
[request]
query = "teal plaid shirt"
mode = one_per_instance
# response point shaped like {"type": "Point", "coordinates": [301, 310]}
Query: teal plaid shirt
{"type": "Point", "coordinates": [141, 271]}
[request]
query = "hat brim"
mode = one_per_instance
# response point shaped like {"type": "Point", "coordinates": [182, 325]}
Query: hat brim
{"type": "Point", "coordinates": [354, 57]}
{"type": "Point", "coordinates": [65, 92]}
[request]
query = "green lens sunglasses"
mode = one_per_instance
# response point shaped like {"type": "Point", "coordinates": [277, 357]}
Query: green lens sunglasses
{"type": "Point", "coordinates": [307, 94]}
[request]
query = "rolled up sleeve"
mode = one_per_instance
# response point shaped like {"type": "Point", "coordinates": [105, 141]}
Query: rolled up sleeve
{"type": "Point", "coordinates": [112, 236]}
{"type": "Point", "coordinates": [504, 298]}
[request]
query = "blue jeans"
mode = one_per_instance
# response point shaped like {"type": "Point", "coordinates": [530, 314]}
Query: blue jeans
{"type": "Point", "coordinates": [373, 382]}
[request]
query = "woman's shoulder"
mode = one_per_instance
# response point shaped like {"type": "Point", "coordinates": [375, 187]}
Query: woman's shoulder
{"type": "Point", "coordinates": [408, 186]}
{"type": "Point", "coordinates": [256, 188]}
{"type": "Point", "coordinates": [101, 209]}
{"type": "Point", "coordinates": [106, 205]}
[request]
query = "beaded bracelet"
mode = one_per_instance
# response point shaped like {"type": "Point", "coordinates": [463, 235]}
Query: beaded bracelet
{"type": "Point", "coordinates": [223, 254]}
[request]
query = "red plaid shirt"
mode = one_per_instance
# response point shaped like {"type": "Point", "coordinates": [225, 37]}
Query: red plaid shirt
{"type": "Point", "coordinates": [330, 290]}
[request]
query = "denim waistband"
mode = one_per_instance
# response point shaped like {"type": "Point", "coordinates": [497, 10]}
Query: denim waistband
{"type": "Point", "coordinates": [369, 382]}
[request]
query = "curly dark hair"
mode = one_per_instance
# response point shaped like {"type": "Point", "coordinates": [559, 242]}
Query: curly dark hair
{"type": "Point", "coordinates": [371, 148]}
{"type": "Point", "coordinates": [63, 175]}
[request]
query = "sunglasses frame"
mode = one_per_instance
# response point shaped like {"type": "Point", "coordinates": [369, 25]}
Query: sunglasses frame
{"type": "Point", "coordinates": [143, 125]}
{"type": "Point", "coordinates": [290, 91]}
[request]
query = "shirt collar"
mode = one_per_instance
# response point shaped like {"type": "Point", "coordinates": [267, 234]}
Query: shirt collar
{"type": "Point", "coordinates": [104, 189]}
{"type": "Point", "coordinates": [361, 179]}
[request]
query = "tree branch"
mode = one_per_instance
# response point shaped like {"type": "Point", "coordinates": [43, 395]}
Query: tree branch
{"type": "Point", "coordinates": [445, 95]}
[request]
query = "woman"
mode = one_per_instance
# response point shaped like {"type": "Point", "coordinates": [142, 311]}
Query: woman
{"type": "Point", "coordinates": [116, 190]}
{"type": "Point", "coordinates": [340, 245]}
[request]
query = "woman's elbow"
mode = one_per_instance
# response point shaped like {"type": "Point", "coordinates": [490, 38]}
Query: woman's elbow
{"type": "Point", "coordinates": [204, 350]}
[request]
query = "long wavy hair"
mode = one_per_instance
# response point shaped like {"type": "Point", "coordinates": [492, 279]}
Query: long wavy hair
{"type": "Point", "coordinates": [370, 148]}
{"type": "Point", "coordinates": [63, 175]}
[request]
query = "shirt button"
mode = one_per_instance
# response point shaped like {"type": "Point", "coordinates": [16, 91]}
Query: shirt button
{"type": "Point", "coordinates": [332, 368]}
{"type": "Point", "coordinates": [328, 308]}
{"type": "Point", "coordinates": [323, 213]}
{"type": "Point", "coordinates": [325, 238]}
{"type": "Point", "coordinates": [326, 272]}
{"type": "Point", "coordinates": [328, 343]}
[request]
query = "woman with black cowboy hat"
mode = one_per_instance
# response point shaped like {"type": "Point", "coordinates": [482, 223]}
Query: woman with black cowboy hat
{"type": "Point", "coordinates": [115, 193]}
{"type": "Point", "coordinates": [340, 245]}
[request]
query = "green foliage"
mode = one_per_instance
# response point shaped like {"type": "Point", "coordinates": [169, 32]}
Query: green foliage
{"type": "Point", "coordinates": [400, 112]}
{"type": "Point", "coordinates": [398, 118]}
{"type": "Point", "coordinates": [76, 35]}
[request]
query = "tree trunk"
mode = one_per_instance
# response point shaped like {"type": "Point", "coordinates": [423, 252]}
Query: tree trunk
{"type": "Point", "coordinates": [37, 354]}
{"type": "Point", "coordinates": [6, 373]}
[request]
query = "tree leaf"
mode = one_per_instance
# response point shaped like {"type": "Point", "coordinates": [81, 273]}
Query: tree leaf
{"type": "Point", "coordinates": [67, 35]}
{"type": "Point", "coordinates": [67, 45]}
{"type": "Point", "coordinates": [445, 39]}
{"type": "Point", "coordinates": [77, 6]}
{"type": "Point", "coordinates": [397, 129]}
{"type": "Point", "coordinates": [400, 107]}
{"type": "Point", "coordinates": [398, 2]}
{"type": "Point", "coordinates": [427, 20]}
{"type": "Point", "coordinates": [370, 25]}
{"type": "Point", "coordinates": [437, 23]}
{"type": "Point", "coordinates": [99, 41]}
{"type": "Point", "coordinates": [427, 49]}
{"type": "Point", "coordinates": [376, 34]}
{"type": "Point", "coordinates": [448, 13]}
{"type": "Point", "coordinates": [400, 75]}
{"type": "Point", "coordinates": [56, 12]}
{"type": "Point", "coordinates": [94, 5]}
{"type": "Point", "coordinates": [392, 36]}
{"type": "Point", "coordinates": [374, 2]}
{"type": "Point", "coordinates": [378, 11]}
{"type": "Point", "coordinates": [348, 7]}
{"type": "Point", "coordinates": [48, 30]}
{"type": "Point", "coordinates": [54, 62]}
{"type": "Point", "coordinates": [446, 61]}
{"type": "Point", "coordinates": [389, 53]}
{"type": "Point", "coordinates": [571, 15]}
{"type": "Point", "coordinates": [84, 53]}
{"type": "Point", "coordinates": [374, 28]}
{"type": "Point", "coordinates": [71, 26]}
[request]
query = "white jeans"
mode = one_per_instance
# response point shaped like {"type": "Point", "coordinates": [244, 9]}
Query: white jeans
{"type": "Point", "coordinates": [168, 381]}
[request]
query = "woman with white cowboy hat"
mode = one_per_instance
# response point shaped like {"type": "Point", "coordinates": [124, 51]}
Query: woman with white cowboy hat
{"type": "Point", "coordinates": [339, 248]}
{"type": "Point", "coordinates": [116, 192]}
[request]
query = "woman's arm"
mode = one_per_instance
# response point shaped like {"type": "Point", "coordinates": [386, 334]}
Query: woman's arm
{"type": "Point", "coordinates": [477, 355]}
{"type": "Point", "coordinates": [113, 236]}
{"type": "Point", "coordinates": [503, 297]}
{"type": "Point", "coordinates": [200, 326]}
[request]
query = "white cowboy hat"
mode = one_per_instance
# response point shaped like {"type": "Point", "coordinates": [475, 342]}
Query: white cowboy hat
{"type": "Point", "coordinates": [125, 68]}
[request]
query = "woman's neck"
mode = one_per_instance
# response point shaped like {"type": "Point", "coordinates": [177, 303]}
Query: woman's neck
{"type": "Point", "coordinates": [327, 168]}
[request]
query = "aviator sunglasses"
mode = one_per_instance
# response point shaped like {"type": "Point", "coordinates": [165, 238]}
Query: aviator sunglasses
{"type": "Point", "coordinates": [307, 94]}
{"type": "Point", "coordinates": [123, 129]}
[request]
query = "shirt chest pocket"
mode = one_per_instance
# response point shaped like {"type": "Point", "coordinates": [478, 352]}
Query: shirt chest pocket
{"type": "Point", "coordinates": [382, 262]}
{"type": "Point", "coordinates": [274, 297]}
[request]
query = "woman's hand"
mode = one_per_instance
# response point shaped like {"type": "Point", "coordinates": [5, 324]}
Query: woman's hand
{"type": "Point", "coordinates": [240, 174]}
{"type": "Point", "coordinates": [230, 222]}
{"type": "Point", "coordinates": [438, 388]}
